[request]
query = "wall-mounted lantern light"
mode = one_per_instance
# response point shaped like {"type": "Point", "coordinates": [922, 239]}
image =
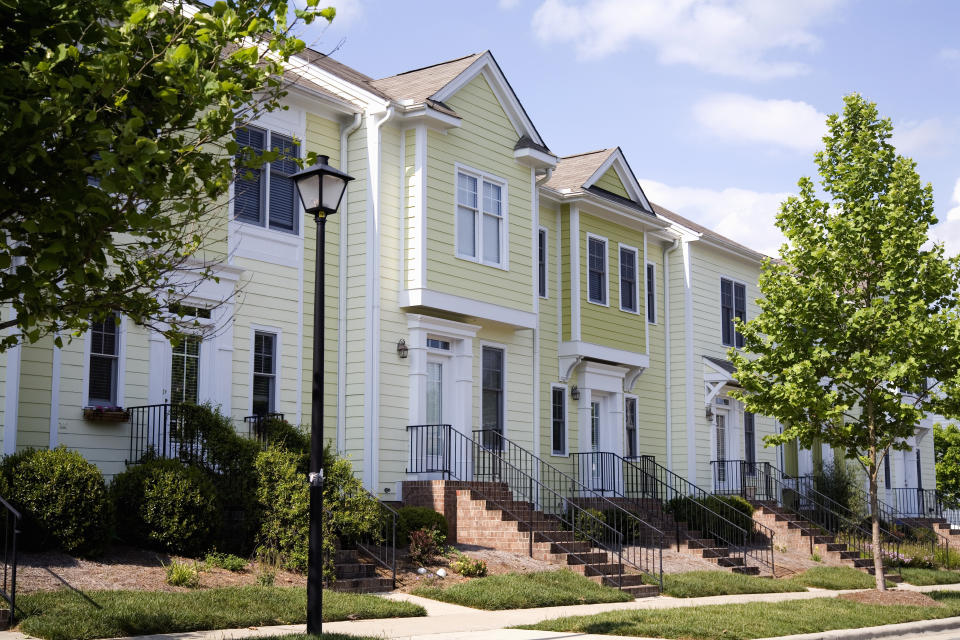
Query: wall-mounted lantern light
{"type": "Point", "coordinates": [575, 392]}
{"type": "Point", "coordinates": [402, 348]}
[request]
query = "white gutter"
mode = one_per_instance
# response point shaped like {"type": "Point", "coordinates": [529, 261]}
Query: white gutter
{"type": "Point", "coordinates": [668, 385]}
{"type": "Point", "coordinates": [345, 132]}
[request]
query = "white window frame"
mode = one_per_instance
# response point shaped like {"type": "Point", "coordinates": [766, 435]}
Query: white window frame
{"type": "Point", "coordinates": [121, 362]}
{"type": "Point", "coordinates": [636, 425]}
{"type": "Point", "coordinates": [636, 277]}
{"type": "Point", "coordinates": [546, 262]}
{"type": "Point", "coordinates": [606, 269]}
{"type": "Point", "coordinates": [506, 386]}
{"type": "Point", "coordinates": [270, 128]}
{"type": "Point", "coordinates": [746, 291]}
{"type": "Point", "coordinates": [566, 421]}
{"type": "Point", "coordinates": [481, 177]}
{"type": "Point", "coordinates": [277, 351]}
{"type": "Point", "coordinates": [651, 308]}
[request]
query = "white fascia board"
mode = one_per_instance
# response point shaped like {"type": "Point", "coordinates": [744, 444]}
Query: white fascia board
{"type": "Point", "coordinates": [579, 348]}
{"type": "Point", "coordinates": [535, 158]}
{"type": "Point", "coordinates": [424, 114]}
{"type": "Point", "coordinates": [467, 307]}
{"type": "Point", "coordinates": [328, 105]}
{"type": "Point", "coordinates": [756, 257]}
{"type": "Point", "coordinates": [347, 90]}
{"type": "Point", "coordinates": [598, 206]}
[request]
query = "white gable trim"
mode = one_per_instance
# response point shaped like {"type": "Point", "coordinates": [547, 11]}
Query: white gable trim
{"type": "Point", "coordinates": [488, 67]}
{"type": "Point", "coordinates": [620, 166]}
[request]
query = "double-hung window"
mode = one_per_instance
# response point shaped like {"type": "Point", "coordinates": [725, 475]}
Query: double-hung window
{"type": "Point", "coordinates": [185, 371]}
{"type": "Point", "coordinates": [542, 263]}
{"type": "Point", "coordinates": [480, 231]}
{"type": "Point", "coordinates": [733, 304]}
{"type": "Point", "coordinates": [266, 196]}
{"type": "Point", "coordinates": [628, 279]}
{"type": "Point", "coordinates": [492, 398]}
{"type": "Point", "coordinates": [597, 270]}
{"type": "Point", "coordinates": [651, 293]}
{"type": "Point", "coordinates": [104, 362]}
{"type": "Point", "coordinates": [630, 425]}
{"type": "Point", "coordinates": [559, 420]}
{"type": "Point", "coordinates": [264, 373]}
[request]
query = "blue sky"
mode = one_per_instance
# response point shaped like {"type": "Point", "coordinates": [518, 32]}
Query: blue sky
{"type": "Point", "coordinates": [717, 104]}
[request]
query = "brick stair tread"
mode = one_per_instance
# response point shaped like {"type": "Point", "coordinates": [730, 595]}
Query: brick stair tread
{"type": "Point", "coordinates": [589, 557]}
{"type": "Point", "coordinates": [362, 584]}
{"type": "Point", "coordinates": [747, 571]}
{"type": "Point", "coordinates": [358, 570]}
{"type": "Point", "coordinates": [730, 562]}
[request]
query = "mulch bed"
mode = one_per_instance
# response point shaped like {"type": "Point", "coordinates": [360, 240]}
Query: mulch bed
{"type": "Point", "coordinates": [907, 598]}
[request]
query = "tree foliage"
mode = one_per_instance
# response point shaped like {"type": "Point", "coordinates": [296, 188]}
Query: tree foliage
{"type": "Point", "coordinates": [858, 332]}
{"type": "Point", "coordinates": [946, 452]}
{"type": "Point", "coordinates": [116, 144]}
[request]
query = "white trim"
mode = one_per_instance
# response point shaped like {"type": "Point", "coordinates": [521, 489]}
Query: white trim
{"type": "Point", "coordinates": [574, 273]}
{"type": "Point", "coordinates": [277, 333]}
{"type": "Point", "coordinates": [688, 362]}
{"type": "Point", "coordinates": [578, 348]}
{"type": "Point", "coordinates": [559, 258]}
{"type": "Point", "coordinates": [636, 277]}
{"type": "Point", "coordinates": [11, 408]}
{"type": "Point", "coordinates": [607, 209]}
{"type": "Point", "coordinates": [425, 115]}
{"type": "Point", "coordinates": [467, 307]}
{"type": "Point", "coordinates": [481, 177]}
{"type": "Point", "coordinates": [566, 421]}
{"type": "Point", "coordinates": [606, 270]}
{"type": "Point", "coordinates": [546, 262]}
{"type": "Point", "coordinates": [420, 210]}
{"type": "Point", "coordinates": [503, 383]}
{"type": "Point", "coordinates": [55, 396]}
{"type": "Point", "coordinates": [534, 158]}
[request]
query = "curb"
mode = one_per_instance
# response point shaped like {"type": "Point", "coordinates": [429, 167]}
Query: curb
{"type": "Point", "coordinates": [885, 631]}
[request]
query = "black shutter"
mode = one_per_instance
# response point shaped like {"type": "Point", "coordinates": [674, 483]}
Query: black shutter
{"type": "Point", "coordinates": [283, 192]}
{"type": "Point", "coordinates": [740, 308]}
{"type": "Point", "coordinates": [726, 312]}
{"type": "Point", "coordinates": [248, 185]}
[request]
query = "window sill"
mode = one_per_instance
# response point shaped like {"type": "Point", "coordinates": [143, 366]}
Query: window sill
{"type": "Point", "coordinates": [501, 266]}
{"type": "Point", "coordinates": [599, 304]}
{"type": "Point", "coordinates": [106, 414]}
{"type": "Point", "coordinates": [252, 241]}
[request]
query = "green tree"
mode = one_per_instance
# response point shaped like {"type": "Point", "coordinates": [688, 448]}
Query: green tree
{"type": "Point", "coordinates": [116, 129]}
{"type": "Point", "coordinates": [946, 452]}
{"type": "Point", "coordinates": [858, 331]}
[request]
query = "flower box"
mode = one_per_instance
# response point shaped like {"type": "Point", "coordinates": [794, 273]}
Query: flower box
{"type": "Point", "coordinates": [106, 414]}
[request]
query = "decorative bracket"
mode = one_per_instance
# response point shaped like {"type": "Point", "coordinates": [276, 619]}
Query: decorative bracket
{"type": "Point", "coordinates": [631, 378]}
{"type": "Point", "coordinates": [567, 365]}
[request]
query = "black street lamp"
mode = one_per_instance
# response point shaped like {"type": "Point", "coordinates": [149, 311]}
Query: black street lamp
{"type": "Point", "coordinates": [321, 189]}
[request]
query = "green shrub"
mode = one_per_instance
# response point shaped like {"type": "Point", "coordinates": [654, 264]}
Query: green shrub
{"type": "Point", "coordinates": [469, 567]}
{"type": "Point", "coordinates": [63, 500]}
{"type": "Point", "coordinates": [415, 518]}
{"type": "Point", "coordinates": [226, 561]}
{"type": "Point", "coordinates": [166, 505]}
{"type": "Point", "coordinates": [423, 546]}
{"type": "Point", "coordinates": [181, 574]}
{"type": "Point", "coordinates": [725, 510]}
{"type": "Point", "coordinates": [281, 434]}
{"type": "Point", "coordinates": [589, 524]}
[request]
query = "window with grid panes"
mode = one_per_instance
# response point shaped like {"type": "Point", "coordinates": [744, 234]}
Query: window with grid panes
{"type": "Point", "coordinates": [264, 373]}
{"type": "Point", "coordinates": [266, 196]}
{"type": "Point", "coordinates": [628, 279]}
{"type": "Point", "coordinates": [479, 224]}
{"type": "Point", "coordinates": [733, 304]}
{"type": "Point", "coordinates": [492, 393]}
{"type": "Point", "coordinates": [597, 270]}
{"type": "Point", "coordinates": [185, 371]}
{"type": "Point", "coordinates": [104, 362]}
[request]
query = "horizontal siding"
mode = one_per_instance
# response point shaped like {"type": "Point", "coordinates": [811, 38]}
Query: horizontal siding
{"type": "Point", "coordinates": [611, 182]}
{"type": "Point", "coordinates": [650, 386]}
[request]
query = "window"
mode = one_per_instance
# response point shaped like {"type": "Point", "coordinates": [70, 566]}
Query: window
{"type": "Point", "coordinates": [266, 196]}
{"type": "Point", "coordinates": [628, 279]}
{"type": "Point", "coordinates": [542, 263]}
{"type": "Point", "coordinates": [559, 419]}
{"type": "Point", "coordinates": [185, 371]}
{"type": "Point", "coordinates": [492, 399]}
{"type": "Point", "coordinates": [480, 213]}
{"type": "Point", "coordinates": [597, 270]}
{"type": "Point", "coordinates": [886, 471]}
{"type": "Point", "coordinates": [749, 440]}
{"type": "Point", "coordinates": [630, 420]}
{"type": "Point", "coordinates": [733, 304]}
{"type": "Point", "coordinates": [264, 373]}
{"type": "Point", "coordinates": [104, 362]}
{"type": "Point", "coordinates": [435, 343]}
{"type": "Point", "coordinates": [651, 293]}
{"type": "Point", "coordinates": [188, 311]}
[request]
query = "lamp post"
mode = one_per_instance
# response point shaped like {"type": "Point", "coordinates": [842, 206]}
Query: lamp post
{"type": "Point", "coordinates": [321, 189]}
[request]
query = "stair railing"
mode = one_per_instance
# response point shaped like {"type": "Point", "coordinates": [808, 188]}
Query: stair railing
{"type": "Point", "coordinates": [549, 514]}
{"type": "Point", "coordinates": [8, 585]}
{"type": "Point", "coordinates": [380, 545]}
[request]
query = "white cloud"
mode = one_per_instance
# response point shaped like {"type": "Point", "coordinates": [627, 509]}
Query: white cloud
{"type": "Point", "coordinates": [795, 125]}
{"type": "Point", "coordinates": [739, 214]}
{"type": "Point", "coordinates": [917, 138]}
{"type": "Point", "coordinates": [950, 54]}
{"type": "Point", "coordinates": [726, 37]}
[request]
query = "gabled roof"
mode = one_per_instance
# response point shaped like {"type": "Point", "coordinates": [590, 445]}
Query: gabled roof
{"type": "Point", "coordinates": [707, 233]}
{"type": "Point", "coordinates": [578, 173]}
{"type": "Point", "coordinates": [420, 85]}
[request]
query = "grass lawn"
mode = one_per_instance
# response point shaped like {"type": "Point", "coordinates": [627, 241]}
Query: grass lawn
{"type": "Point", "coordinates": [836, 578]}
{"type": "Point", "coordinates": [696, 584]}
{"type": "Point", "coordinates": [753, 620]}
{"type": "Point", "coordinates": [524, 591]}
{"type": "Point", "coordinates": [929, 576]}
{"type": "Point", "coordinates": [67, 615]}
{"type": "Point", "coordinates": [323, 636]}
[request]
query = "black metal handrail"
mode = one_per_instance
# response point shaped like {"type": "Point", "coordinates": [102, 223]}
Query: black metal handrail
{"type": "Point", "coordinates": [381, 546]}
{"type": "Point", "coordinates": [642, 479]}
{"type": "Point", "coordinates": [926, 503]}
{"type": "Point", "coordinates": [798, 496]}
{"type": "Point", "coordinates": [545, 510]}
{"type": "Point", "coordinates": [255, 424]}
{"type": "Point", "coordinates": [11, 530]}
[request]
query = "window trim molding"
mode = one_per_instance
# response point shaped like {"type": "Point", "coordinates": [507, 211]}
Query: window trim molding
{"type": "Point", "coordinates": [277, 351]}
{"type": "Point", "coordinates": [636, 280]}
{"type": "Point", "coordinates": [121, 363]}
{"type": "Point", "coordinates": [566, 421]}
{"type": "Point", "coordinates": [734, 281]}
{"type": "Point", "coordinates": [654, 309]}
{"type": "Point", "coordinates": [503, 409]}
{"type": "Point", "coordinates": [636, 423]}
{"type": "Point", "coordinates": [546, 262]}
{"type": "Point", "coordinates": [481, 176]}
{"type": "Point", "coordinates": [606, 269]}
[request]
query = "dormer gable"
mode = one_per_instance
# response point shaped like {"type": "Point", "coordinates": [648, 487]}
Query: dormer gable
{"type": "Point", "coordinates": [615, 176]}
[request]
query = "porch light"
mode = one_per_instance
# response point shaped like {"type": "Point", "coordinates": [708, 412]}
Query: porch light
{"type": "Point", "coordinates": [321, 187]}
{"type": "Point", "coordinates": [402, 348]}
{"type": "Point", "coordinates": [575, 392]}
{"type": "Point", "coordinates": [708, 413]}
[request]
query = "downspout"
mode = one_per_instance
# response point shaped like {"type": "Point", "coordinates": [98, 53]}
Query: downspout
{"type": "Point", "coordinates": [371, 467]}
{"type": "Point", "coordinates": [668, 385]}
{"type": "Point", "coordinates": [345, 132]}
{"type": "Point", "coordinates": [537, 183]}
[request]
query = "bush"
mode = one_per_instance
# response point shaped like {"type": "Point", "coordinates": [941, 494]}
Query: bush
{"type": "Point", "coordinates": [424, 546]}
{"type": "Point", "coordinates": [726, 509]}
{"type": "Point", "coordinates": [166, 505]}
{"type": "Point", "coordinates": [469, 567]}
{"type": "Point", "coordinates": [226, 561]}
{"type": "Point", "coordinates": [589, 524]}
{"type": "Point", "coordinates": [283, 435]}
{"type": "Point", "coordinates": [63, 500]}
{"type": "Point", "coordinates": [181, 574]}
{"type": "Point", "coordinates": [414, 518]}
{"type": "Point", "coordinates": [837, 480]}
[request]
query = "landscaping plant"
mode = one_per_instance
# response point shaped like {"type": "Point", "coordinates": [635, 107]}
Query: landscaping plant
{"type": "Point", "coordinates": [425, 545]}
{"type": "Point", "coordinates": [469, 567]}
{"type": "Point", "coordinates": [226, 561]}
{"type": "Point", "coordinates": [182, 574]}
{"type": "Point", "coordinates": [414, 518]}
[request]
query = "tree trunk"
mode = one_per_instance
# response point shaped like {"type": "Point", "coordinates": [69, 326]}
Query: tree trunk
{"type": "Point", "coordinates": [875, 522]}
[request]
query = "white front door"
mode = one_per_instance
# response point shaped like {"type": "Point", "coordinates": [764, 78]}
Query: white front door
{"type": "Point", "coordinates": [438, 411]}
{"type": "Point", "coordinates": [725, 473]}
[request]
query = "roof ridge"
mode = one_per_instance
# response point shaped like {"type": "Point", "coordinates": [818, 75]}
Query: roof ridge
{"type": "Point", "coordinates": [431, 66]}
{"type": "Point", "coordinates": [587, 153]}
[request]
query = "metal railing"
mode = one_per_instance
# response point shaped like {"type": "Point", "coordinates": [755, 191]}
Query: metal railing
{"type": "Point", "coordinates": [644, 479]}
{"type": "Point", "coordinates": [763, 482]}
{"type": "Point", "coordinates": [926, 503]}
{"type": "Point", "coordinates": [255, 426]}
{"type": "Point", "coordinates": [541, 499]}
{"type": "Point", "coordinates": [8, 585]}
{"type": "Point", "coordinates": [381, 546]}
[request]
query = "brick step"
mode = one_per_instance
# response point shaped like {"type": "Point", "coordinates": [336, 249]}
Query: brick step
{"type": "Point", "coordinates": [747, 571]}
{"type": "Point", "coordinates": [891, 577]}
{"type": "Point", "coordinates": [602, 569]}
{"type": "Point", "coordinates": [588, 557]}
{"type": "Point", "coordinates": [357, 570]}
{"type": "Point", "coordinates": [731, 562]}
{"type": "Point", "coordinates": [627, 580]}
{"type": "Point", "coordinates": [346, 556]}
{"type": "Point", "coordinates": [362, 585]}
{"type": "Point", "coordinates": [642, 591]}
{"type": "Point", "coordinates": [701, 543]}
{"type": "Point", "coordinates": [848, 554]}
{"type": "Point", "coordinates": [569, 547]}
{"type": "Point", "coordinates": [715, 552]}
{"type": "Point", "coordinates": [861, 563]}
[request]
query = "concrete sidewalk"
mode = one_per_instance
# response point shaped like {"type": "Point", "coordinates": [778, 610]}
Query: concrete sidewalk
{"type": "Point", "coordinates": [449, 621]}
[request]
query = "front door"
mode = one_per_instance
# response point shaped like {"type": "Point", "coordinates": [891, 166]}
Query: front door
{"type": "Point", "coordinates": [723, 472]}
{"type": "Point", "coordinates": [437, 440]}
